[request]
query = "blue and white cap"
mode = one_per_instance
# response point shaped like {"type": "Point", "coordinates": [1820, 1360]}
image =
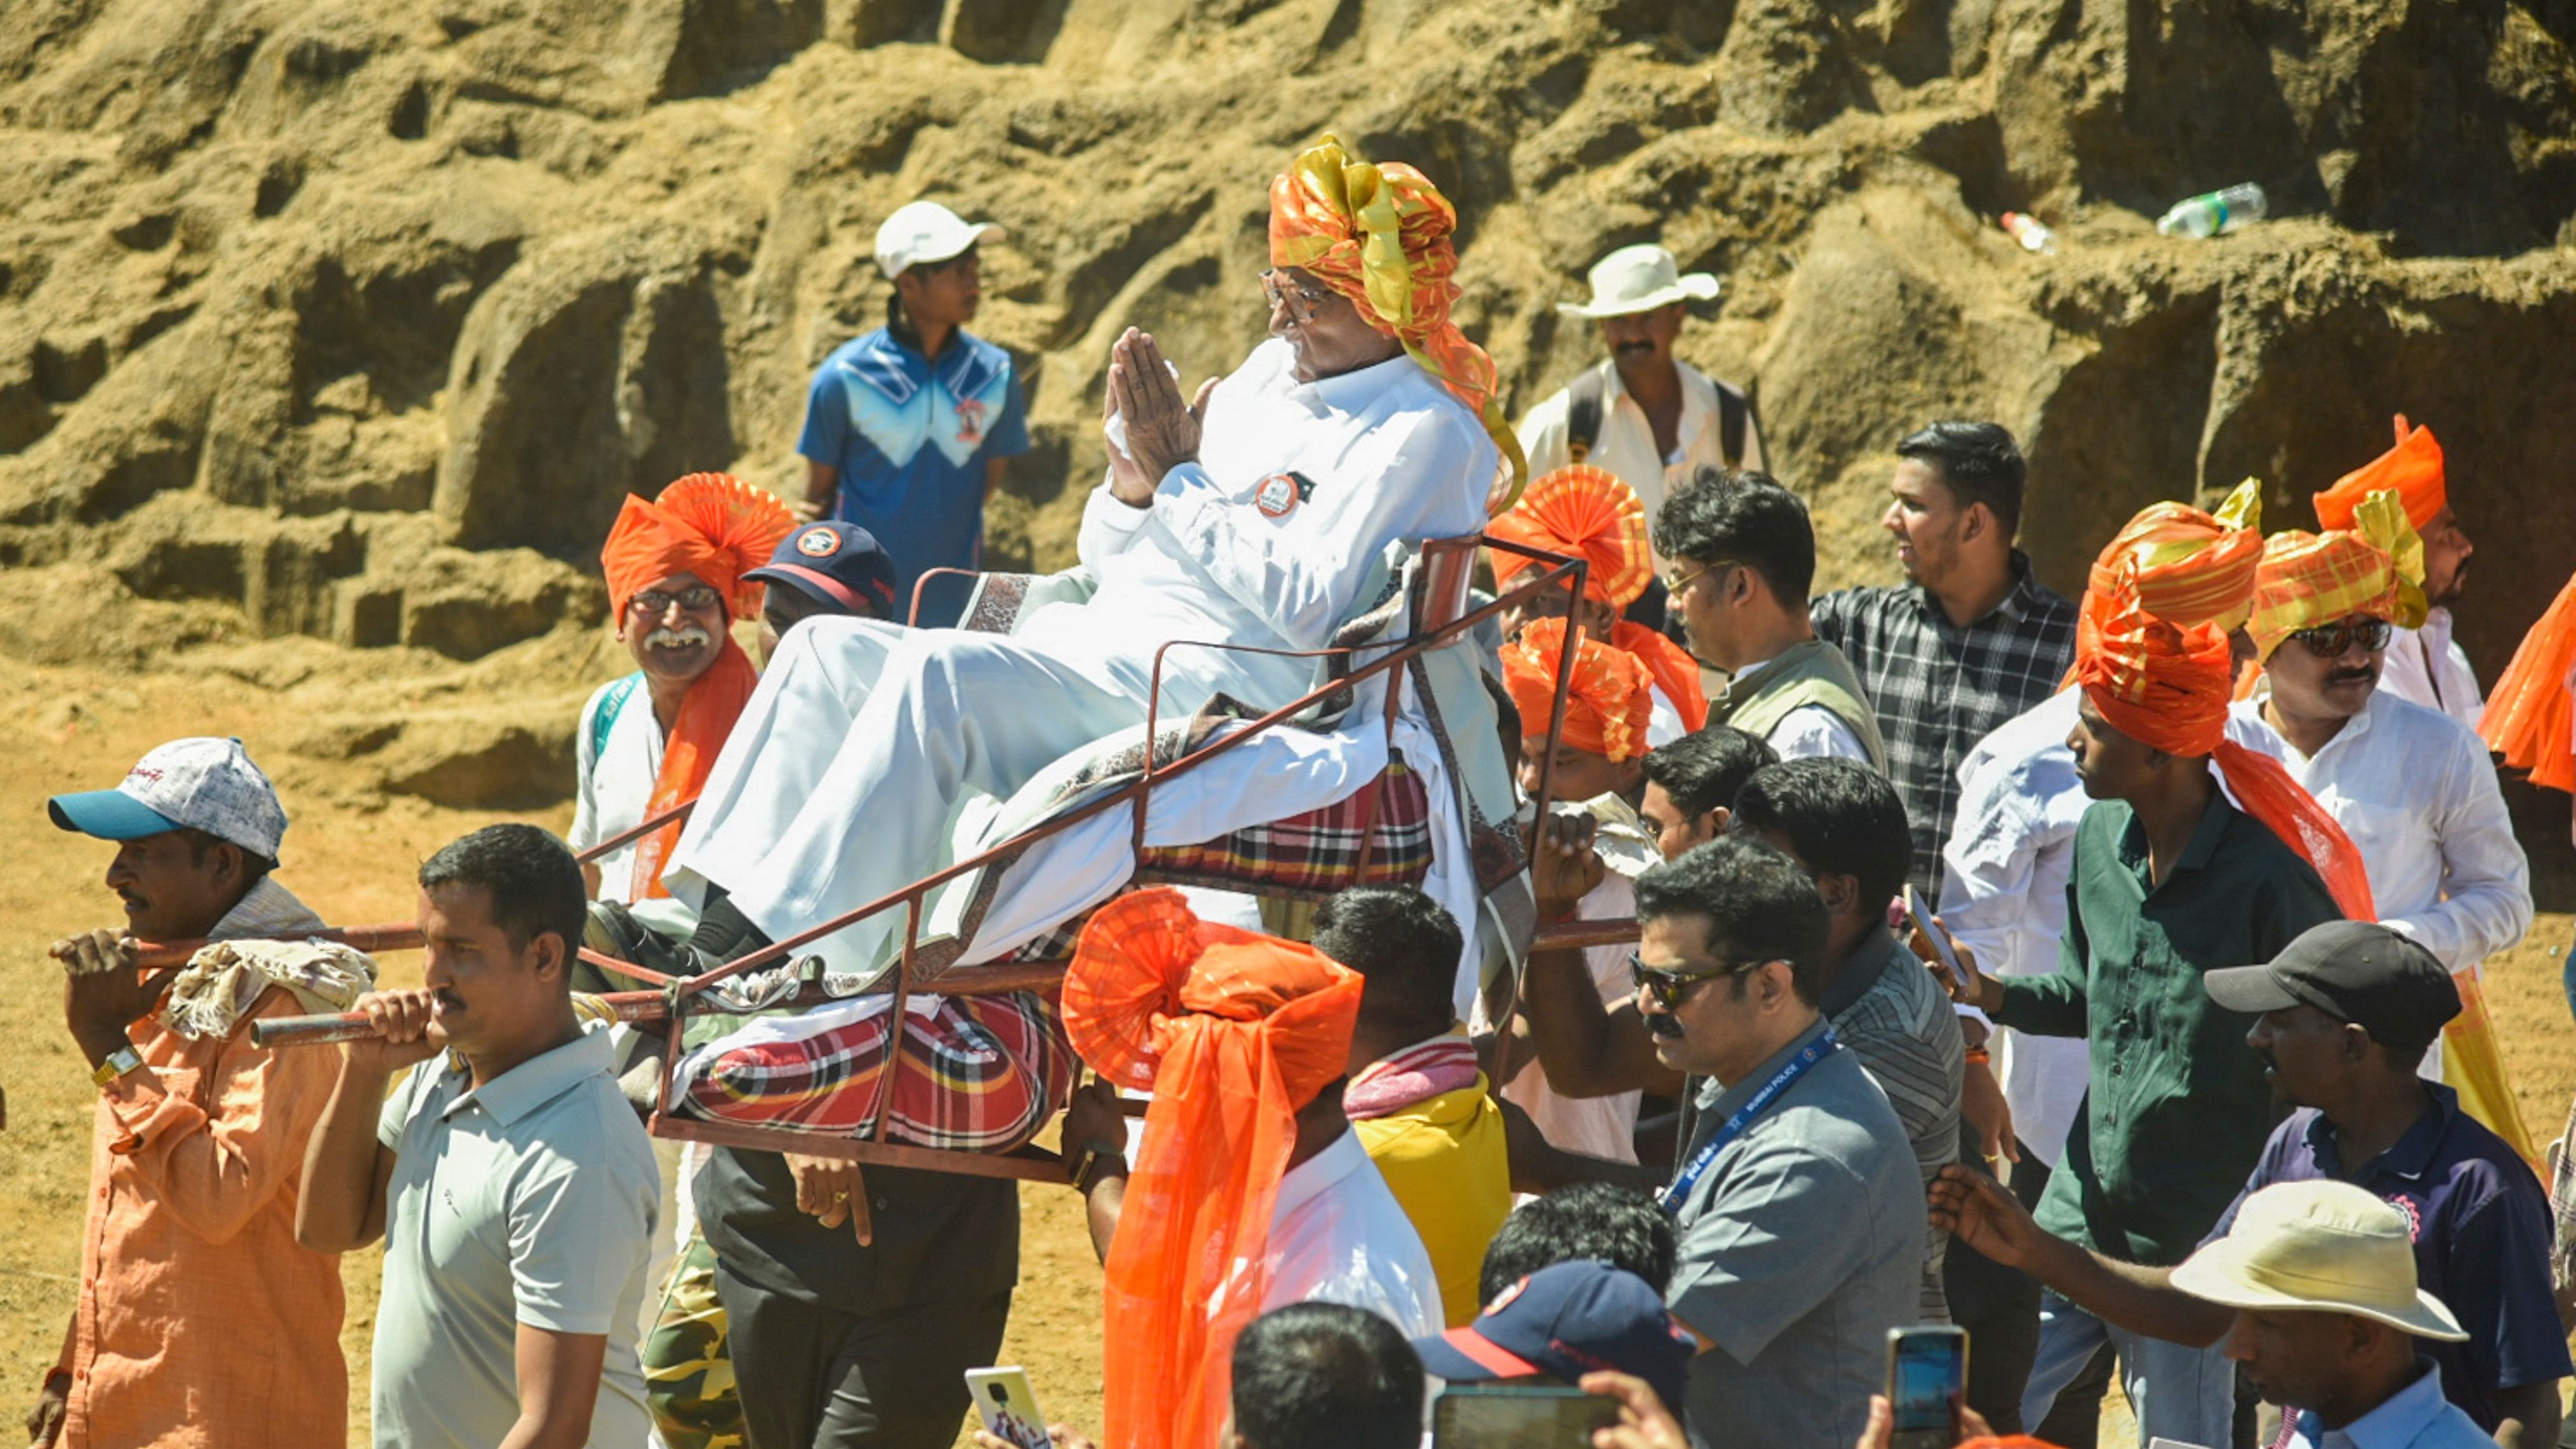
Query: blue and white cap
{"type": "Point", "coordinates": [203, 784]}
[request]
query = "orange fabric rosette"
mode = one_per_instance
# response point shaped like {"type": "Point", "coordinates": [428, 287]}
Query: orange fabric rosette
{"type": "Point", "coordinates": [1607, 700]}
{"type": "Point", "coordinates": [1233, 1032]}
{"type": "Point", "coordinates": [2530, 717]}
{"type": "Point", "coordinates": [1587, 512]}
{"type": "Point", "coordinates": [719, 528]}
{"type": "Point", "coordinates": [1381, 236]}
{"type": "Point", "coordinates": [2167, 688]}
{"type": "Point", "coordinates": [2412, 469]}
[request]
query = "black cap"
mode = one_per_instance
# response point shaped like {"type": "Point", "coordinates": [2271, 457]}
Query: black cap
{"type": "Point", "coordinates": [2353, 971]}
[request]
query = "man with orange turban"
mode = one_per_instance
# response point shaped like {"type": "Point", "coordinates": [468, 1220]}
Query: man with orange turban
{"type": "Point", "coordinates": [2170, 880]}
{"type": "Point", "coordinates": [1588, 513]}
{"type": "Point", "coordinates": [2411, 786]}
{"type": "Point", "coordinates": [674, 569]}
{"type": "Point", "coordinates": [1598, 767]}
{"type": "Point", "coordinates": [1253, 516]}
{"type": "Point", "coordinates": [1251, 1191]}
{"type": "Point", "coordinates": [2424, 665]}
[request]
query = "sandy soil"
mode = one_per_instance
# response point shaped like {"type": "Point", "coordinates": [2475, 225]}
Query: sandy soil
{"type": "Point", "coordinates": [69, 730]}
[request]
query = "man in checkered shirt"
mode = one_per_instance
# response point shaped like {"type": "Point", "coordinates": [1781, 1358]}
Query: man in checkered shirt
{"type": "Point", "coordinates": [1971, 640]}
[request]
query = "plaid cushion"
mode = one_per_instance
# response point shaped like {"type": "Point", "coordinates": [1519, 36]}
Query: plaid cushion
{"type": "Point", "coordinates": [978, 1074]}
{"type": "Point", "coordinates": [1316, 853]}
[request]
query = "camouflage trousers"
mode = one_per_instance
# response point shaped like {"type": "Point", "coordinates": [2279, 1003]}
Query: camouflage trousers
{"type": "Point", "coordinates": [688, 1375]}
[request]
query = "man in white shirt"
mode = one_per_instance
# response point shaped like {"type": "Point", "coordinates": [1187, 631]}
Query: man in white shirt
{"type": "Point", "coordinates": [2423, 665]}
{"type": "Point", "coordinates": [1339, 436]}
{"type": "Point", "coordinates": [2412, 787]}
{"type": "Point", "coordinates": [1654, 420]}
{"type": "Point", "coordinates": [1742, 555]}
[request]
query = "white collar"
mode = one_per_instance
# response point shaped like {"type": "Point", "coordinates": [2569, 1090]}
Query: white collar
{"type": "Point", "coordinates": [1347, 392]}
{"type": "Point", "coordinates": [1318, 1175]}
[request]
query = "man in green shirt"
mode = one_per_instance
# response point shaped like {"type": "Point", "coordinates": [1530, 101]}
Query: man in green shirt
{"type": "Point", "coordinates": [2170, 881]}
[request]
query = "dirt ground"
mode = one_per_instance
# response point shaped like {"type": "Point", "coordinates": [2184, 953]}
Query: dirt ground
{"type": "Point", "coordinates": [73, 730]}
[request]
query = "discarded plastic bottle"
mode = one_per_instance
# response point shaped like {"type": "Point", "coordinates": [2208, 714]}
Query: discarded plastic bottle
{"type": "Point", "coordinates": [2233, 209]}
{"type": "Point", "coordinates": [2030, 233]}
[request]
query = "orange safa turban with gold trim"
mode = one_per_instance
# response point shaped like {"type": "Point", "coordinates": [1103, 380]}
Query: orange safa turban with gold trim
{"type": "Point", "coordinates": [1609, 698]}
{"type": "Point", "coordinates": [1586, 512]}
{"type": "Point", "coordinates": [2374, 568]}
{"type": "Point", "coordinates": [2413, 468]}
{"type": "Point", "coordinates": [1380, 235]}
{"type": "Point", "coordinates": [1233, 1032]}
{"type": "Point", "coordinates": [2186, 566]}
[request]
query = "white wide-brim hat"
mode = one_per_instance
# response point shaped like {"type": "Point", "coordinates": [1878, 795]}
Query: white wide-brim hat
{"type": "Point", "coordinates": [925, 231]}
{"type": "Point", "coordinates": [2319, 1247]}
{"type": "Point", "coordinates": [1639, 279]}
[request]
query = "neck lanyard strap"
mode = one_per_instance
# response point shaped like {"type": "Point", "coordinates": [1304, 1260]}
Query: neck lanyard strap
{"type": "Point", "coordinates": [1733, 1127]}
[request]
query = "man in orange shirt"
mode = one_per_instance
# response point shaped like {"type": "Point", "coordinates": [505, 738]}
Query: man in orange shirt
{"type": "Point", "coordinates": [200, 1322]}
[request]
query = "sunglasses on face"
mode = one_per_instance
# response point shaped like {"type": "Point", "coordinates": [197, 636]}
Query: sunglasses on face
{"type": "Point", "coordinates": [1301, 301]}
{"type": "Point", "coordinates": [696, 599]}
{"type": "Point", "coordinates": [2330, 641]}
{"type": "Point", "coordinates": [1668, 988]}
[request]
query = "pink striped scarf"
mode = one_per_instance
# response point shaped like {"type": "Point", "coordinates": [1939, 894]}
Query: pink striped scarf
{"type": "Point", "coordinates": [1416, 1074]}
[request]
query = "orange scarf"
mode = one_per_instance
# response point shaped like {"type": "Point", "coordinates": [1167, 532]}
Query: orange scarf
{"type": "Point", "coordinates": [1233, 1032]}
{"type": "Point", "coordinates": [2530, 718]}
{"type": "Point", "coordinates": [717, 528]}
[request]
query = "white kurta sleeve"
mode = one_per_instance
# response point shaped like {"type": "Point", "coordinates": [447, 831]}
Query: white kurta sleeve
{"type": "Point", "coordinates": [1417, 476]}
{"type": "Point", "coordinates": [1990, 857]}
{"type": "Point", "coordinates": [1812, 731]}
{"type": "Point", "coordinates": [2486, 879]}
{"type": "Point", "coordinates": [1108, 527]}
{"type": "Point", "coordinates": [585, 809]}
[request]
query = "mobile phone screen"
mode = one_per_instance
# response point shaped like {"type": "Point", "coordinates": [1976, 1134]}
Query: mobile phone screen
{"type": "Point", "coordinates": [1927, 1379]}
{"type": "Point", "coordinates": [1518, 1416]}
{"type": "Point", "coordinates": [1008, 1406]}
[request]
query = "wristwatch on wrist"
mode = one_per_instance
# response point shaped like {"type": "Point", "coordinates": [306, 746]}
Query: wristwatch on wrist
{"type": "Point", "coordinates": [118, 1063]}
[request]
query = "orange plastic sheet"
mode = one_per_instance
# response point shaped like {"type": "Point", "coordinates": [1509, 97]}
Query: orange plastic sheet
{"type": "Point", "coordinates": [2530, 717]}
{"type": "Point", "coordinates": [1233, 1032]}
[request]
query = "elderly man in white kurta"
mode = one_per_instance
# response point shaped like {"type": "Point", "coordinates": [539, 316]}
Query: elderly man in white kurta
{"type": "Point", "coordinates": [1249, 518]}
{"type": "Point", "coordinates": [2411, 786]}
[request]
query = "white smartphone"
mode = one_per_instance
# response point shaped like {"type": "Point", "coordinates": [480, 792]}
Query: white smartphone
{"type": "Point", "coordinates": [1921, 917]}
{"type": "Point", "coordinates": [1008, 1406]}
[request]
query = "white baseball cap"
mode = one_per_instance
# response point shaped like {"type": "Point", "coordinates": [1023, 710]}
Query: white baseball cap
{"type": "Point", "coordinates": [2320, 1247]}
{"type": "Point", "coordinates": [925, 231]}
{"type": "Point", "coordinates": [203, 784]}
{"type": "Point", "coordinates": [1639, 279]}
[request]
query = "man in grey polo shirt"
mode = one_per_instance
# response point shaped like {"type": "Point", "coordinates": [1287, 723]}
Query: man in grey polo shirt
{"type": "Point", "coordinates": [1800, 1210]}
{"type": "Point", "coordinates": [512, 1184]}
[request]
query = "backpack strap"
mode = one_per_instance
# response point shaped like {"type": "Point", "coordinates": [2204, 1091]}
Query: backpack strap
{"type": "Point", "coordinates": [604, 718]}
{"type": "Point", "coordinates": [1734, 413]}
{"type": "Point", "coordinates": [1585, 400]}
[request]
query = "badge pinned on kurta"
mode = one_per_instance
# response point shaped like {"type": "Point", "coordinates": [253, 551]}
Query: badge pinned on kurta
{"type": "Point", "coordinates": [1279, 494]}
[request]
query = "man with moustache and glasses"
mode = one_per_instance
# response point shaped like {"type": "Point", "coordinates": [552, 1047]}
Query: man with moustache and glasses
{"type": "Point", "coordinates": [2410, 785]}
{"type": "Point", "coordinates": [2424, 664]}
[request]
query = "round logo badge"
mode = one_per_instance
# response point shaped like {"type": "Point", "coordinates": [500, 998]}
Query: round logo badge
{"type": "Point", "coordinates": [818, 543]}
{"type": "Point", "coordinates": [1277, 496]}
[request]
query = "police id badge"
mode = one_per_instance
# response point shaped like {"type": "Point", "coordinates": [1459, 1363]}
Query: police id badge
{"type": "Point", "coordinates": [1278, 495]}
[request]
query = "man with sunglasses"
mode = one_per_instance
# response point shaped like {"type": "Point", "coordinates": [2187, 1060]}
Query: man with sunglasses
{"type": "Point", "coordinates": [1801, 1215]}
{"type": "Point", "coordinates": [2412, 786]}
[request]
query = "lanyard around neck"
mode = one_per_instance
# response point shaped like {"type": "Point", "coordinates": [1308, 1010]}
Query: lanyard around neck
{"type": "Point", "coordinates": [1733, 1127]}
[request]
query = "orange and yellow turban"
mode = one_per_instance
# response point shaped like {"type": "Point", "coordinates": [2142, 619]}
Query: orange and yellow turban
{"type": "Point", "coordinates": [1233, 1032]}
{"type": "Point", "coordinates": [2413, 468]}
{"type": "Point", "coordinates": [1608, 699]}
{"type": "Point", "coordinates": [2186, 566]}
{"type": "Point", "coordinates": [2307, 579]}
{"type": "Point", "coordinates": [2167, 688]}
{"type": "Point", "coordinates": [1589, 513]}
{"type": "Point", "coordinates": [2531, 717]}
{"type": "Point", "coordinates": [1381, 236]}
{"type": "Point", "coordinates": [718, 528]}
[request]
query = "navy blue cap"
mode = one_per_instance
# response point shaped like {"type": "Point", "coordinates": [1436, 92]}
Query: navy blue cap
{"type": "Point", "coordinates": [838, 565]}
{"type": "Point", "coordinates": [1567, 1320]}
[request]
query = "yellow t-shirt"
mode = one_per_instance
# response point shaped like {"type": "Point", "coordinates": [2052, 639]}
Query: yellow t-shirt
{"type": "Point", "coordinates": [1443, 1158]}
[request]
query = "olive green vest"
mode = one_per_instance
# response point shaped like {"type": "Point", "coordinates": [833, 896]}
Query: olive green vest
{"type": "Point", "coordinates": [1813, 672]}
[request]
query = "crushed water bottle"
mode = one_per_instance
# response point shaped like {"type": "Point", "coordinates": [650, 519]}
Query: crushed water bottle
{"type": "Point", "coordinates": [2219, 212]}
{"type": "Point", "coordinates": [2033, 236]}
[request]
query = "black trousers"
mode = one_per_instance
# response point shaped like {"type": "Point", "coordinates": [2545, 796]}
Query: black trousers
{"type": "Point", "coordinates": [817, 1377]}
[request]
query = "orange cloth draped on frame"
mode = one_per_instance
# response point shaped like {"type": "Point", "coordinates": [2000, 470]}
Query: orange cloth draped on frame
{"type": "Point", "coordinates": [2413, 468]}
{"type": "Point", "coordinates": [2167, 688]}
{"type": "Point", "coordinates": [1607, 704]}
{"type": "Point", "coordinates": [1381, 236]}
{"type": "Point", "coordinates": [1233, 1032]}
{"type": "Point", "coordinates": [719, 528]}
{"type": "Point", "coordinates": [1589, 513]}
{"type": "Point", "coordinates": [2530, 717]}
{"type": "Point", "coordinates": [2375, 568]}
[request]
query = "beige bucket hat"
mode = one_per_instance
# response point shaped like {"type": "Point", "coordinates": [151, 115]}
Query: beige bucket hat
{"type": "Point", "coordinates": [1639, 279]}
{"type": "Point", "coordinates": [2325, 1247]}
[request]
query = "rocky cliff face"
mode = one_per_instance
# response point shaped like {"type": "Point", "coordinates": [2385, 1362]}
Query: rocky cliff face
{"type": "Point", "coordinates": [352, 321]}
